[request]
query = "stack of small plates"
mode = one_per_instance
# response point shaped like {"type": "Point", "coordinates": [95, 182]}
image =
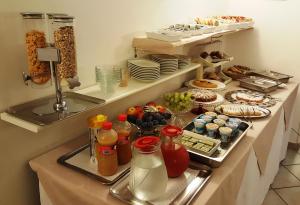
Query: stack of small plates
{"type": "Point", "coordinates": [183, 61]}
{"type": "Point", "coordinates": [168, 64]}
{"type": "Point", "coordinates": [144, 70]}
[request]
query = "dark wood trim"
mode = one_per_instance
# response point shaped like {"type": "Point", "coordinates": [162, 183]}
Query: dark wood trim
{"type": "Point", "coordinates": [294, 146]}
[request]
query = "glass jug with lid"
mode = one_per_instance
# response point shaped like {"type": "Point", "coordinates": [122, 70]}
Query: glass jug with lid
{"type": "Point", "coordinates": [148, 175]}
{"type": "Point", "coordinates": [175, 155]}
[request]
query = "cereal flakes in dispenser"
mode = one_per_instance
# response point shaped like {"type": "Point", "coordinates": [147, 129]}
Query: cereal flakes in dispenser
{"type": "Point", "coordinates": [35, 37]}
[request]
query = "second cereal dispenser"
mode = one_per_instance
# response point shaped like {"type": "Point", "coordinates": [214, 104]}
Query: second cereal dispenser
{"type": "Point", "coordinates": [62, 31]}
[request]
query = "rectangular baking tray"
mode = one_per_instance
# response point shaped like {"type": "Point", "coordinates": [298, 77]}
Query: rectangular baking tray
{"type": "Point", "coordinates": [283, 78]}
{"type": "Point", "coordinates": [79, 161]}
{"type": "Point", "coordinates": [259, 84]}
{"type": "Point", "coordinates": [180, 190]}
{"type": "Point", "coordinates": [221, 154]}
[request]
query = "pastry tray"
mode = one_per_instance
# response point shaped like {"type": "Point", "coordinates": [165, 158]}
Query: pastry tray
{"type": "Point", "coordinates": [215, 62]}
{"type": "Point", "coordinates": [259, 84]}
{"type": "Point", "coordinates": [268, 100]}
{"type": "Point", "coordinates": [79, 160]}
{"type": "Point", "coordinates": [283, 78]}
{"type": "Point", "coordinates": [180, 190]}
{"type": "Point", "coordinates": [216, 159]}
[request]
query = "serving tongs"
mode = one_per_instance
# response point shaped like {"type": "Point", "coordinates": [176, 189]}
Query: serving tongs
{"type": "Point", "coordinates": [192, 189]}
{"type": "Point", "coordinates": [244, 116]}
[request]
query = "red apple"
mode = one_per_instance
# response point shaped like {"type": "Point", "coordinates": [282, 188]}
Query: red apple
{"type": "Point", "coordinates": [138, 108]}
{"type": "Point", "coordinates": [131, 111]}
{"type": "Point", "coordinates": [151, 104]}
{"type": "Point", "coordinates": [160, 108]}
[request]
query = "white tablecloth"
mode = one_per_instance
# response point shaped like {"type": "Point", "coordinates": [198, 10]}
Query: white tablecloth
{"type": "Point", "coordinates": [254, 186]}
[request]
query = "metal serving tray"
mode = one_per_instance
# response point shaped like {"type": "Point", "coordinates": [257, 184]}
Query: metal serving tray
{"type": "Point", "coordinates": [216, 159]}
{"type": "Point", "coordinates": [283, 78]}
{"type": "Point", "coordinates": [30, 111]}
{"type": "Point", "coordinates": [180, 190]}
{"type": "Point", "coordinates": [259, 84]}
{"type": "Point", "coordinates": [79, 160]}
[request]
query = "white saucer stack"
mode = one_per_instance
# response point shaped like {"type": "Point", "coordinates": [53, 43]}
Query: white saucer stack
{"type": "Point", "coordinates": [144, 70]}
{"type": "Point", "coordinates": [168, 63]}
{"type": "Point", "coordinates": [183, 61]}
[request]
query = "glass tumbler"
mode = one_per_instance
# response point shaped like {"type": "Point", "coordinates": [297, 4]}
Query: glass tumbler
{"type": "Point", "coordinates": [106, 78]}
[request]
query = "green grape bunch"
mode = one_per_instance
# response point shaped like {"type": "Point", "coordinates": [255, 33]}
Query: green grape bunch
{"type": "Point", "coordinates": [179, 101]}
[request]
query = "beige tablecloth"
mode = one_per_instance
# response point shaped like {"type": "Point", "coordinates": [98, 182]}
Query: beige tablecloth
{"type": "Point", "coordinates": [65, 186]}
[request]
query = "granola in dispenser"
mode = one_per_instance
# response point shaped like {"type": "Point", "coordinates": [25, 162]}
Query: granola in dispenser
{"type": "Point", "coordinates": [65, 41]}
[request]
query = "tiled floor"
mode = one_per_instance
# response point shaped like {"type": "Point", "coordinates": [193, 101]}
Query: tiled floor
{"type": "Point", "coordinates": [285, 189]}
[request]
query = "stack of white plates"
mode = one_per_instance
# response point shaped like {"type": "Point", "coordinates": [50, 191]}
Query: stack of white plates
{"type": "Point", "coordinates": [144, 70]}
{"type": "Point", "coordinates": [183, 61]}
{"type": "Point", "coordinates": [168, 64]}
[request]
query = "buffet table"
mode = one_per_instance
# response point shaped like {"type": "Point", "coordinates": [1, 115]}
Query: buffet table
{"type": "Point", "coordinates": [243, 178]}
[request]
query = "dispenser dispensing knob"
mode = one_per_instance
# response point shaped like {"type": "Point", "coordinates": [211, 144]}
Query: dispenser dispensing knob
{"type": "Point", "coordinates": [73, 82]}
{"type": "Point", "coordinates": [26, 78]}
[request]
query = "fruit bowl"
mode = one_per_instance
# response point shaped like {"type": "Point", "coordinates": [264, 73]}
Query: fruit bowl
{"type": "Point", "coordinates": [178, 102]}
{"type": "Point", "coordinates": [149, 118]}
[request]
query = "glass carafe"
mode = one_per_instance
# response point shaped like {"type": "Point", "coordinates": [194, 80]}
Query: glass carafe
{"type": "Point", "coordinates": [148, 176]}
{"type": "Point", "coordinates": [175, 155]}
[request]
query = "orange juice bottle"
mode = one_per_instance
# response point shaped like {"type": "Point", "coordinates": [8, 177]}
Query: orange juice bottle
{"type": "Point", "coordinates": [107, 136]}
{"type": "Point", "coordinates": [123, 127]}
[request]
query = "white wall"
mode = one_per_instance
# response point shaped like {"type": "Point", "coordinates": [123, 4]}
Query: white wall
{"type": "Point", "coordinates": [274, 43]}
{"type": "Point", "coordinates": [104, 31]}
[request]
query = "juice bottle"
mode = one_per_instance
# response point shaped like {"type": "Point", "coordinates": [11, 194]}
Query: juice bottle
{"type": "Point", "coordinates": [123, 150]}
{"type": "Point", "coordinates": [175, 155]}
{"type": "Point", "coordinates": [107, 136]}
{"type": "Point", "coordinates": [95, 125]}
{"type": "Point", "coordinates": [123, 127]}
{"type": "Point", "coordinates": [107, 161]}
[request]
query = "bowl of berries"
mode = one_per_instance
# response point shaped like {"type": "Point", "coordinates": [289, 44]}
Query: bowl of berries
{"type": "Point", "coordinates": [149, 118]}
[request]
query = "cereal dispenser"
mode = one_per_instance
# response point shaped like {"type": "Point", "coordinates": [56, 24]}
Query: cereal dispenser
{"type": "Point", "coordinates": [50, 47]}
{"type": "Point", "coordinates": [56, 52]}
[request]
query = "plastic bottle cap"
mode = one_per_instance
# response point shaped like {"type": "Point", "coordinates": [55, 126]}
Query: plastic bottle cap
{"type": "Point", "coordinates": [171, 131]}
{"type": "Point", "coordinates": [101, 118]}
{"type": "Point", "coordinates": [146, 143]}
{"type": "Point", "coordinates": [122, 117]}
{"type": "Point", "coordinates": [96, 121]}
{"type": "Point", "coordinates": [107, 125]}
